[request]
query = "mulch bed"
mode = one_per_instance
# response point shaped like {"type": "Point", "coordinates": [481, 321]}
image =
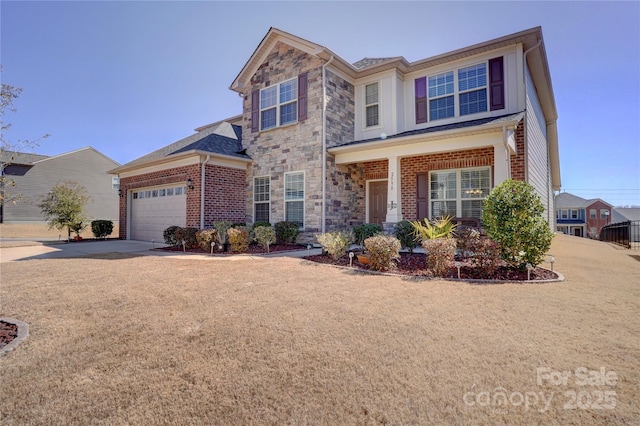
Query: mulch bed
{"type": "Point", "coordinates": [413, 264]}
{"type": "Point", "coordinates": [8, 332]}
{"type": "Point", "coordinates": [252, 249]}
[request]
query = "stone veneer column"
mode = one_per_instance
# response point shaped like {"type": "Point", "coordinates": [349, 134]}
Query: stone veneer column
{"type": "Point", "coordinates": [394, 202]}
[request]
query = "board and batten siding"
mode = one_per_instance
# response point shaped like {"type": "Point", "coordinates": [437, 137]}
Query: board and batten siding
{"type": "Point", "coordinates": [86, 166]}
{"type": "Point", "coordinates": [538, 171]}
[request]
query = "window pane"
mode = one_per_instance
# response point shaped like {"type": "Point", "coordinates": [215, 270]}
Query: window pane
{"type": "Point", "coordinates": [443, 185]}
{"type": "Point", "coordinates": [441, 108]}
{"type": "Point", "coordinates": [261, 189]}
{"type": "Point", "coordinates": [443, 208]}
{"type": "Point", "coordinates": [295, 212]}
{"type": "Point", "coordinates": [294, 186]}
{"type": "Point", "coordinates": [472, 208]}
{"type": "Point", "coordinates": [268, 97]}
{"type": "Point", "coordinates": [475, 183]}
{"type": "Point", "coordinates": [371, 95]}
{"type": "Point", "coordinates": [289, 113]}
{"type": "Point", "coordinates": [372, 116]}
{"type": "Point", "coordinates": [289, 91]}
{"type": "Point", "coordinates": [269, 118]}
{"type": "Point", "coordinates": [261, 212]}
{"type": "Point", "coordinates": [472, 77]}
{"type": "Point", "coordinates": [441, 84]}
{"type": "Point", "coordinates": [473, 102]}
{"type": "Point", "coordinates": [169, 192]}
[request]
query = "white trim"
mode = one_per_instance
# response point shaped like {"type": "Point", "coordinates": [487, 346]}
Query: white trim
{"type": "Point", "coordinates": [278, 105]}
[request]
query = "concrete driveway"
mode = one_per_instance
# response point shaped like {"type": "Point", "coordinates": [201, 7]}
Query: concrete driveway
{"type": "Point", "coordinates": [12, 250]}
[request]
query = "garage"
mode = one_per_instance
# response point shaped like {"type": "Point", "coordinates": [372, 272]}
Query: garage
{"type": "Point", "coordinates": [155, 209]}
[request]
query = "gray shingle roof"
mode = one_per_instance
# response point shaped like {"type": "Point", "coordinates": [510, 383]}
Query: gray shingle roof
{"type": "Point", "coordinates": [452, 126]}
{"type": "Point", "coordinates": [367, 62]}
{"type": "Point", "coordinates": [216, 144]}
{"type": "Point", "coordinates": [15, 157]}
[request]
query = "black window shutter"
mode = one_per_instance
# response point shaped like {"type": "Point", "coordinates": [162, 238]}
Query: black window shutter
{"type": "Point", "coordinates": [255, 111]}
{"type": "Point", "coordinates": [302, 97]}
{"type": "Point", "coordinates": [496, 83]}
{"type": "Point", "coordinates": [421, 100]}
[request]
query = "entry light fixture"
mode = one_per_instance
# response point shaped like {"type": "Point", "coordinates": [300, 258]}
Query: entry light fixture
{"type": "Point", "coordinates": [120, 193]}
{"type": "Point", "coordinates": [190, 183]}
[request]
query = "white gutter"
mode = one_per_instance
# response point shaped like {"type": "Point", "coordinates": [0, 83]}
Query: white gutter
{"type": "Point", "coordinates": [524, 83]}
{"type": "Point", "coordinates": [506, 151]}
{"type": "Point", "coordinates": [323, 218]}
{"type": "Point", "coordinates": [202, 186]}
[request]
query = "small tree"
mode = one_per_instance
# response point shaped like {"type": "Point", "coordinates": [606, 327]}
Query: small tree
{"type": "Point", "coordinates": [513, 217]}
{"type": "Point", "coordinates": [63, 207]}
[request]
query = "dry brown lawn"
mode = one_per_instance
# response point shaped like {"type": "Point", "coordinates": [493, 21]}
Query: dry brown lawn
{"type": "Point", "coordinates": [155, 340]}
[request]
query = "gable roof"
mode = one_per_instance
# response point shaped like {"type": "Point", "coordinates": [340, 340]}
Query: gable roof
{"type": "Point", "coordinates": [222, 139]}
{"type": "Point", "coordinates": [626, 213]}
{"type": "Point", "coordinates": [566, 200]}
{"type": "Point", "coordinates": [21, 158]}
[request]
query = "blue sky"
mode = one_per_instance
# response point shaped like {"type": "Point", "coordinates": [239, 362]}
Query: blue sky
{"type": "Point", "coordinates": [130, 77]}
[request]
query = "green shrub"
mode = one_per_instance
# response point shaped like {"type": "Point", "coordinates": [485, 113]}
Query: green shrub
{"type": "Point", "coordinates": [222, 226]}
{"type": "Point", "coordinates": [238, 225]}
{"type": "Point", "coordinates": [404, 232]}
{"type": "Point", "coordinates": [513, 217]}
{"type": "Point", "coordinates": [206, 238]}
{"type": "Point", "coordinates": [440, 253]}
{"type": "Point", "coordinates": [335, 243]}
{"type": "Point", "coordinates": [238, 239]}
{"type": "Point", "coordinates": [170, 236]}
{"type": "Point", "coordinates": [287, 232]}
{"type": "Point", "coordinates": [383, 251]}
{"type": "Point", "coordinates": [265, 236]}
{"type": "Point", "coordinates": [259, 224]}
{"type": "Point", "coordinates": [437, 228]}
{"type": "Point", "coordinates": [188, 235]}
{"type": "Point", "coordinates": [366, 230]}
{"type": "Point", "coordinates": [101, 228]}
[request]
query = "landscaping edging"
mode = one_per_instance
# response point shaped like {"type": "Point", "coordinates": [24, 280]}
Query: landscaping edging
{"type": "Point", "coordinates": [559, 278]}
{"type": "Point", "coordinates": [23, 333]}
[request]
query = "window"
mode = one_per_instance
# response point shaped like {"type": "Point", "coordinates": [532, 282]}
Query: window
{"type": "Point", "coordinates": [564, 214]}
{"type": "Point", "coordinates": [441, 96]}
{"type": "Point", "coordinates": [459, 193]}
{"type": "Point", "coordinates": [169, 192]}
{"type": "Point", "coordinates": [604, 213]}
{"type": "Point", "coordinates": [472, 85]}
{"type": "Point", "coordinates": [593, 214]}
{"type": "Point", "coordinates": [179, 190]}
{"type": "Point", "coordinates": [261, 198]}
{"type": "Point", "coordinates": [371, 103]}
{"type": "Point", "coordinates": [294, 198]}
{"type": "Point", "coordinates": [574, 214]}
{"type": "Point", "coordinates": [279, 104]}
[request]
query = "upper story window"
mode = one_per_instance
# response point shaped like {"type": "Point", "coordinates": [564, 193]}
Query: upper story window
{"type": "Point", "coordinates": [279, 104]}
{"type": "Point", "coordinates": [372, 104]}
{"type": "Point", "coordinates": [604, 213]}
{"type": "Point", "coordinates": [464, 91]}
{"type": "Point", "coordinates": [574, 214]}
{"type": "Point", "coordinates": [472, 84]}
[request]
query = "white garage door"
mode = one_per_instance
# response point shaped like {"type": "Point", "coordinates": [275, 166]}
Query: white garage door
{"type": "Point", "coordinates": [155, 209]}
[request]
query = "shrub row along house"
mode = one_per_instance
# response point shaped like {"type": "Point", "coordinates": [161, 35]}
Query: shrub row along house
{"type": "Point", "coordinates": [328, 144]}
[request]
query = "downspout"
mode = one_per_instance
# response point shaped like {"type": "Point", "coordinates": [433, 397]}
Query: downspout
{"type": "Point", "coordinates": [202, 176]}
{"type": "Point", "coordinates": [323, 218]}
{"type": "Point", "coordinates": [524, 85]}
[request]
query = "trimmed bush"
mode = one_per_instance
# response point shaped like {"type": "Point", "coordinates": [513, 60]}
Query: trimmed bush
{"type": "Point", "coordinates": [170, 236]}
{"type": "Point", "coordinates": [238, 239]}
{"type": "Point", "coordinates": [259, 224]}
{"type": "Point", "coordinates": [265, 236]}
{"type": "Point", "coordinates": [383, 251]}
{"type": "Point", "coordinates": [366, 230]}
{"type": "Point", "coordinates": [405, 233]}
{"type": "Point", "coordinates": [222, 226]}
{"type": "Point", "coordinates": [440, 253]}
{"type": "Point", "coordinates": [188, 235]}
{"type": "Point", "coordinates": [513, 217]}
{"type": "Point", "coordinates": [287, 232]}
{"type": "Point", "coordinates": [335, 243]}
{"type": "Point", "coordinates": [206, 238]}
{"type": "Point", "coordinates": [101, 228]}
{"type": "Point", "coordinates": [483, 253]}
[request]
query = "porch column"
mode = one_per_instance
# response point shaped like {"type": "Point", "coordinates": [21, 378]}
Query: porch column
{"type": "Point", "coordinates": [500, 164]}
{"type": "Point", "coordinates": [394, 201]}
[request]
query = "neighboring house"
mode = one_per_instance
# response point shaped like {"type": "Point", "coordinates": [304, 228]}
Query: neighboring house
{"type": "Point", "coordinates": [328, 144]}
{"type": "Point", "coordinates": [582, 218]}
{"type": "Point", "coordinates": [34, 176]}
{"type": "Point", "coordinates": [623, 214]}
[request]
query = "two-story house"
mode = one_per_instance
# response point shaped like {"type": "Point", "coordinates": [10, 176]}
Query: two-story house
{"type": "Point", "coordinates": [581, 218]}
{"type": "Point", "coordinates": [329, 144]}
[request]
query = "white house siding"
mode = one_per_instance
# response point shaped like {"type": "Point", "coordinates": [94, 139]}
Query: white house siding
{"type": "Point", "coordinates": [538, 171]}
{"type": "Point", "coordinates": [86, 166]}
